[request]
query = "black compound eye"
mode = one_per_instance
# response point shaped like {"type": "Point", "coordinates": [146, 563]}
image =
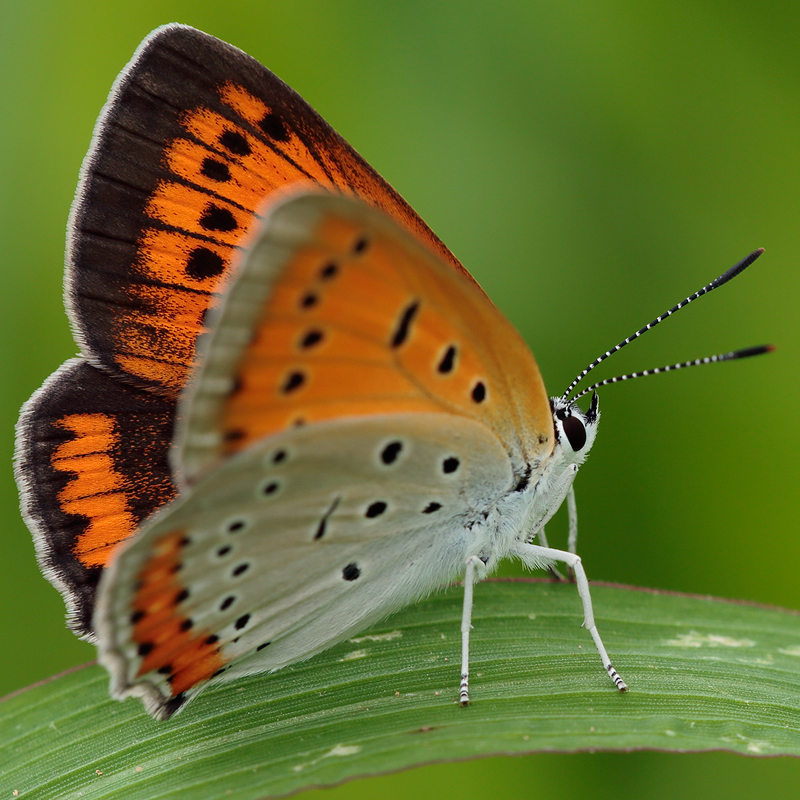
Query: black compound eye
{"type": "Point", "coordinates": [576, 433]}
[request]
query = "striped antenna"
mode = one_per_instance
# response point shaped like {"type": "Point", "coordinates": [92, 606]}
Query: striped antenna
{"type": "Point", "coordinates": [715, 284]}
{"type": "Point", "coordinates": [743, 353]}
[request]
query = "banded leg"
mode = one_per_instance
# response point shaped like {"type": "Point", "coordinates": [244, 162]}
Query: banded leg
{"type": "Point", "coordinates": [535, 555]}
{"type": "Point", "coordinates": [466, 625]}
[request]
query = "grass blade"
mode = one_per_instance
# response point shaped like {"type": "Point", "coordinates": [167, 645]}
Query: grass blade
{"type": "Point", "coordinates": [705, 674]}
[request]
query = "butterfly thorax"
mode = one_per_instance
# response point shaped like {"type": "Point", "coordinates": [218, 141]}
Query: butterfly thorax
{"type": "Point", "coordinates": [520, 513]}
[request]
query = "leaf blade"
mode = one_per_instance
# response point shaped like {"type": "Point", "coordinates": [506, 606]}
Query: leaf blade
{"type": "Point", "coordinates": [704, 674]}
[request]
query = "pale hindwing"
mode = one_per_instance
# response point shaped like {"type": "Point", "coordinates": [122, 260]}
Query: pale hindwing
{"type": "Point", "coordinates": [300, 541]}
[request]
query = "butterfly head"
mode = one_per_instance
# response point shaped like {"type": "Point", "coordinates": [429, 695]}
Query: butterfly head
{"type": "Point", "coordinates": [575, 429]}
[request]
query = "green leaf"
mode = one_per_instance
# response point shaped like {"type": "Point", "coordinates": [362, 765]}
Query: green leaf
{"type": "Point", "coordinates": [704, 674]}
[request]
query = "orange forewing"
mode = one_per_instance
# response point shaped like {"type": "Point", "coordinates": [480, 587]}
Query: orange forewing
{"type": "Point", "coordinates": [360, 320]}
{"type": "Point", "coordinates": [196, 138]}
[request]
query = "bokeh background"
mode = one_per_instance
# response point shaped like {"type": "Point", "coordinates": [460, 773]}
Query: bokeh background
{"type": "Point", "coordinates": [591, 162]}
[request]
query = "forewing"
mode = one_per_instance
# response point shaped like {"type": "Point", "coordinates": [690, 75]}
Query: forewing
{"type": "Point", "coordinates": [195, 136]}
{"type": "Point", "coordinates": [337, 312]}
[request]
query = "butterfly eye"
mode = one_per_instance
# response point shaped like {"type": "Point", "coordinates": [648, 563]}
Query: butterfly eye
{"type": "Point", "coordinates": [576, 433]}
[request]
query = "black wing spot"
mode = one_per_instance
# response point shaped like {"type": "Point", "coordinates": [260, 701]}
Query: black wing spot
{"type": "Point", "coordinates": [294, 380]}
{"type": "Point", "coordinates": [187, 624]}
{"type": "Point", "coordinates": [390, 453]}
{"type": "Point", "coordinates": [165, 670]}
{"type": "Point", "coordinates": [375, 509]}
{"type": "Point", "coordinates": [279, 457]}
{"type": "Point", "coordinates": [235, 526]}
{"type": "Point", "coordinates": [182, 595]}
{"type": "Point", "coordinates": [216, 218]}
{"type": "Point", "coordinates": [270, 488]}
{"type": "Point", "coordinates": [203, 264]}
{"type": "Point", "coordinates": [262, 646]}
{"type": "Point", "coordinates": [215, 170]}
{"type": "Point", "coordinates": [479, 392]}
{"type": "Point", "coordinates": [240, 569]}
{"type": "Point", "coordinates": [145, 648]}
{"type": "Point", "coordinates": [226, 603]}
{"type": "Point", "coordinates": [309, 300]}
{"type": "Point", "coordinates": [311, 338]}
{"type": "Point", "coordinates": [450, 465]}
{"type": "Point", "coordinates": [241, 622]}
{"type": "Point", "coordinates": [328, 271]}
{"type": "Point", "coordinates": [361, 244]}
{"type": "Point", "coordinates": [404, 325]}
{"type": "Point", "coordinates": [323, 523]}
{"type": "Point", "coordinates": [351, 572]}
{"type": "Point", "coordinates": [235, 143]}
{"type": "Point", "coordinates": [431, 507]}
{"type": "Point", "coordinates": [448, 360]}
{"type": "Point", "coordinates": [223, 551]}
{"type": "Point", "coordinates": [213, 639]}
{"type": "Point", "coordinates": [137, 616]}
{"type": "Point", "coordinates": [274, 127]}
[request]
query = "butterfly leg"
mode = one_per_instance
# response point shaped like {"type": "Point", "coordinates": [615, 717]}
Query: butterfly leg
{"type": "Point", "coordinates": [555, 497]}
{"type": "Point", "coordinates": [554, 573]}
{"type": "Point", "coordinates": [537, 556]}
{"type": "Point", "coordinates": [466, 626]}
{"type": "Point", "coordinates": [572, 536]}
{"type": "Point", "coordinates": [572, 508]}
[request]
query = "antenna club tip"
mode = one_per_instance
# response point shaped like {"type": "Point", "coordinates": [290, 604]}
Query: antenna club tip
{"type": "Point", "coordinates": [747, 352]}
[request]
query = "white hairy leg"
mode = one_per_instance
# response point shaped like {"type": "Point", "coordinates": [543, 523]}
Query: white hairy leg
{"type": "Point", "coordinates": [466, 625]}
{"type": "Point", "coordinates": [534, 555]}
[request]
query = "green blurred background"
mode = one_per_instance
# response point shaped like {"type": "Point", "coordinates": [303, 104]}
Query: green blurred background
{"type": "Point", "coordinates": [591, 163]}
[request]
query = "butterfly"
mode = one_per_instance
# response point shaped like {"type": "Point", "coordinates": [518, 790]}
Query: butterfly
{"type": "Point", "coordinates": [294, 411]}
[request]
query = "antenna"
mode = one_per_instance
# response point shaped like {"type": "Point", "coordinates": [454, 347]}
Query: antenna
{"type": "Point", "coordinates": [715, 284]}
{"type": "Point", "coordinates": [745, 352]}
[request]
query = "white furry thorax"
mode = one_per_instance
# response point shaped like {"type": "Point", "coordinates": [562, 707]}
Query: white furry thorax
{"type": "Point", "coordinates": [520, 514]}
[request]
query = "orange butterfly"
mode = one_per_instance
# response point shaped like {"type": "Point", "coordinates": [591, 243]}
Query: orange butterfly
{"type": "Point", "coordinates": [292, 393]}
